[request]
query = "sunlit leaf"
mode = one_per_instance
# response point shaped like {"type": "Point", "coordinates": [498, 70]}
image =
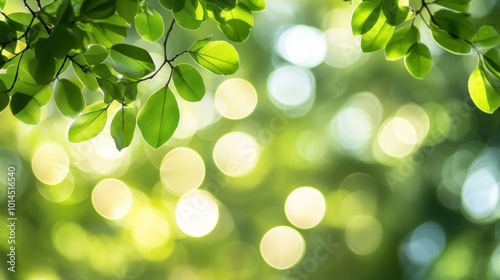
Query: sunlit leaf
{"type": "Point", "coordinates": [418, 60]}
{"type": "Point", "coordinates": [378, 37]}
{"type": "Point", "coordinates": [26, 107]}
{"type": "Point", "coordinates": [401, 41]}
{"type": "Point", "coordinates": [220, 57]}
{"type": "Point", "coordinates": [123, 127]}
{"type": "Point", "coordinates": [458, 5]}
{"type": "Point", "coordinates": [87, 78]}
{"type": "Point", "coordinates": [188, 82]}
{"type": "Point", "coordinates": [223, 4]}
{"type": "Point", "coordinates": [189, 14]}
{"type": "Point", "coordinates": [69, 98]}
{"type": "Point", "coordinates": [483, 92]}
{"type": "Point", "coordinates": [89, 123]}
{"type": "Point", "coordinates": [254, 5]}
{"type": "Point", "coordinates": [365, 16]}
{"type": "Point", "coordinates": [236, 23]}
{"type": "Point", "coordinates": [149, 26]}
{"type": "Point", "coordinates": [159, 117]}
{"type": "Point", "coordinates": [131, 61]}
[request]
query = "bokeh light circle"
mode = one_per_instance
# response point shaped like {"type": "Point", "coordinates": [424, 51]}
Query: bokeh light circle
{"type": "Point", "coordinates": [481, 194]}
{"type": "Point", "coordinates": [363, 235]}
{"type": "Point", "coordinates": [397, 137]}
{"type": "Point", "coordinates": [197, 213]}
{"type": "Point", "coordinates": [50, 164]}
{"type": "Point", "coordinates": [112, 199]}
{"type": "Point", "coordinates": [291, 87]}
{"type": "Point", "coordinates": [235, 99]}
{"type": "Point", "coordinates": [305, 207]}
{"type": "Point", "coordinates": [303, 46]}
{"type": "Point", "coordinates": [236, 154]}
{"type": "Point", "coordinates": [282, 247]}
{"type": "Point", "coordinates": [426, 243]}
{"type": "Point", "coordinates": [182, 170]}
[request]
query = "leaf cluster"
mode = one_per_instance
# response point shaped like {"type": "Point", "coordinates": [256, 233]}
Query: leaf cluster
{"type": "Point", "coordinates": [87, 37]}
{"type": "Point", "coordinates": [390, 25]}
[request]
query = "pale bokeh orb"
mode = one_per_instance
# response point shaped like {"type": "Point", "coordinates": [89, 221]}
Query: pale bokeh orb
{"type": "Point", "coordinates": [305, 207]}
{"type": "Point", "coordinates": [282, 247]}
{"type": "Point", "coordinates": [50, 163]}
{"type": "Point", "coordinates": [197, 213]}
{"type": "Point", "coordinates": [182, 170]}
{"type": "Point", "coordinates": [236, 154]}
{"type": "Point", "coordinates": [235, 99]}
{"type": "Point", "coordinates": [363, 235]}
{"type": "Point", "coordinates": [112, 199]}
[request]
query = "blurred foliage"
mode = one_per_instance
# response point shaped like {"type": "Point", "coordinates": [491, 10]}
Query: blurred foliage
{"type": "Point", "coordinates": [408, 168]}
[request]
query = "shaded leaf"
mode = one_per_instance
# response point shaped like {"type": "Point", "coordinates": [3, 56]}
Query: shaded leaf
{"type": "Point", "coordinates": [98, 9]}
{"type": "Point", "coordinates": [159, 117]}
{"type": "Point", "coordinates": [487, 36]}
{"type": "Point", "coordinates": [95, 54]}
{"type": "Point", "coordinates": [450, 43]}
{"type": "Point", "coordinates": [123, 127]}
{"type": "Point", "coordinates": [188, 82]}
{"type": "Point", "coordinates": [492, 62]}
{"type": "Point", "coordinates": [26, 107]}
{"type": "Point", "coordinates": [86, 78]}
{"type": "Point", "coordinates": [219, 57]}
{"type": "Point", "coordinates": [254, 5]}
{"type": "Point", "coordinates": [167, 4]}
{"type": "Point", "coordinates": [69, 98]}
{"type": "Point", "coordinates": [127, 9]}
{"type": "Point", "coordinates": [7, 33]}
{"type": "Point", "coordinates": [89, 123]}
{"type": "Point", "coordinates": [4, 100]}
{"type": "Point", "coordinates": [484, 93]}
{"type": "Point", "coordinates": [394, 12]}
{"type": "Point", "coordinates": [110, 90]}
{"type": "Point", "coordinates": [418, 60]}
{"type": "Point", "coordinates": [457, 24]}
{"type": "Point", "coordinates": [458, 5]}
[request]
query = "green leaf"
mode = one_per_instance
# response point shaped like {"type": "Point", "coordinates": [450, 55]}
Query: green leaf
{"type": "Point", "coordinates": [188, 82]}
{"type": "Point", "coordinates": [149, 26]}
{"type": "Point", "coordinates": [130, 93]}
{"type": "Point", "coordinates": [483, 92]}
{"type": "Point", "coordinates": [167, 4]}
{"type": "Point", "coordinates": [89, 123]}
{"type": "Point", "coordinates": [98, 9]}
{"type": "Point", "coordinates": [103, 71]}
{"type": "Point", "coordinates": [487, 36]}
{"type": "Point", "coordinates": [394, 12]}
{"type": "Point", "coordinates": [418, 60]}
{"type": "Point", "coordinates": [365, 16]}
{"type": "Point", "coordinates": [131, 61]}
{"type": "Point", "coordinates": [69, 98]}
{"type": "Point", "coordinates": [86, 78]}
{"type": "Point", "coordinates": [450, 43]}
{"type": "Point", "coordinates": [65, 13]}
{"type": "Point", "coordinates": [26, 107]}
{"type": "Point", "coordinates": [236, 23]}
{"type": "Point", "coordinates": [219, 57]}
{"type": "Point", "coordinates": [7, 33]}
{"type": "Point", "coordinates": [4, 100]}
{"type": "Point", "coordinates": [127, 9]}
{"type": "Point", "coordinates": [378, 37]}
{"type": "Point", "coordinates": [224, 4]}
{"type": "Point", "coordinates": [457, 24]}
{"type": "Point", "coordinates": [2, 4]}
{"type": "Point", "coordinates": [110, 90]}
{"type": "Point", "coordinates": [107, 33]}
{"type": "Point", "coordinates": [492, 62]}
{"type": "Point", "coordinates": [189, 14]}
{"type": "Point", "coordinates": [19, 21]}
{"type": "Point", "coordinates": [254, 5]}
{"type": "Point", "coordinates": [401, 41]}
{"type": "Point", "coordinates": [458, 5]}
{"type": "Point", "coordinates": [95, 54]}
{"type": "Point", "coordinates": [123, 127]}
{"type": "Point", "coordinates": [42, 70]}
{"type": "Point", "coordinates": [159, 118]}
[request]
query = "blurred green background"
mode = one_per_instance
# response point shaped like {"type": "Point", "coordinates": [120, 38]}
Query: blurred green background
{"type": "Point", "coordinates": [313, 161]}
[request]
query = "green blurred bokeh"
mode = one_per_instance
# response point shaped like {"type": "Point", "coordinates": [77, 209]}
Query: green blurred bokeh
{"type": "Point", "coordinates": [408, 169]}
